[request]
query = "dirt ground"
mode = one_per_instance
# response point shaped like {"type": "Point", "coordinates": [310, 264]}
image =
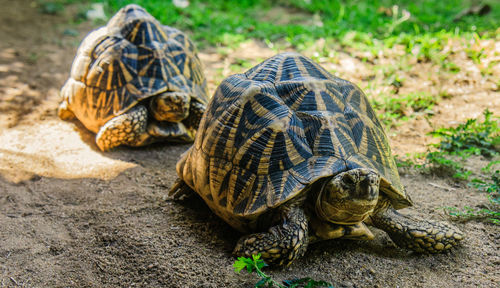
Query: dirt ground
{"type": "Point", "coordinates": [71, 216]}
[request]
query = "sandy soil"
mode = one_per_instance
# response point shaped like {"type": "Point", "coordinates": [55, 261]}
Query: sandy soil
{"type": "Point", "coordinates": [71, 216]}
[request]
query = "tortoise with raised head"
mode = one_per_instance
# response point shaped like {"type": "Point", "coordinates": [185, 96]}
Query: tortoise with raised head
{"type": "Point", "coordinates": [136, 81]}
{"type": "Point", "coordinates": [293, 154]}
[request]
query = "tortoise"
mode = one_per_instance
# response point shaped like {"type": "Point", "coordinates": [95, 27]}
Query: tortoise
{"type": "Point", "coordinates": [135, 81]}
{"type": "Point", "coordinates": [295, 155]}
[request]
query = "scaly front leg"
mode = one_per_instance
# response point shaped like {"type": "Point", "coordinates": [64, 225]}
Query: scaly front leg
{"type": "Point", "coordinates": [282, 243]}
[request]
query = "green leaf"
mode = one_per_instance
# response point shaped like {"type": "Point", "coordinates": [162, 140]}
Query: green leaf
{"type": "Point", "coordinates": [259, 263]}
{"type": "Point", "coordinates": [255, 257]}
{"type": "Point", "coordinates": [242, 263]}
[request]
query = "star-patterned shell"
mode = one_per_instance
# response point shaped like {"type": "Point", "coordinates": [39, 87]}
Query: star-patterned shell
{"type": "Point", "coordinates": [130, 59]}
{"type": "Point", "coordinates": [282, 125]}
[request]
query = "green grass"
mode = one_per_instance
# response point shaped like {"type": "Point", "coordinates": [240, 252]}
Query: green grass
{"type": "Point", "coordinates": [393, 109]}
{"type": "Point", "coordinates": [458, 143]}
{"type": "Point", "coordinates": [491, 211]}
{"type": "Point", "coordinates": [471, 137]}
{"type": "Point", "coordinates": [424, 25]}
{"type": "Point", "coordinates": [255, 264]}
{"type": "Point", "coordinates": [474, 137]}
{"type": "Point", "coordinates": [423, 28]}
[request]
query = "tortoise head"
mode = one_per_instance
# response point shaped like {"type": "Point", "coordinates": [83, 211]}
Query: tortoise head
{"type": "Point", "coordinates": [170, 106]}
{"type": "Point", "coordinates": [349, 197]}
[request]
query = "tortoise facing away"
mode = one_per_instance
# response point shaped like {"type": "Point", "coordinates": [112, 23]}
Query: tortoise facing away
{"type": "Point", "coordinates": [136, 81]}
{"type": "Point", "coordinates": [297, 155]}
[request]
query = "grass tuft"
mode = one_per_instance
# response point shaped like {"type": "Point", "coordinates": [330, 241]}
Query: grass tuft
{"type": "Point", "coordinates": [457, 144]}
{"type": "Point", "coordinates": [393, 109]}
{"type": "Point", "coordinates": [491, 211]}
{"type": "Point", "coordinates": [472, 137]}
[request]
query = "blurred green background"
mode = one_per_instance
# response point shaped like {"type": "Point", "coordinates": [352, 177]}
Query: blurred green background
{"type": "Point", "coordinates": [300, 21]}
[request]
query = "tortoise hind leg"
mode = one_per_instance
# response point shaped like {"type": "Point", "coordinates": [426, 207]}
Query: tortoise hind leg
{"type": "Point", "coordinates": [282, 243]}
{"type": "Point", "coordinates": [180, 190]}
{"type": "Point", "coordinates": [64, 112]}
{"type": "Point", "coordinates": [126, 129]}
{"type": "Point", "coordinates": [70, 88]}
{"type": "Point", "coordinates": [423, 236]}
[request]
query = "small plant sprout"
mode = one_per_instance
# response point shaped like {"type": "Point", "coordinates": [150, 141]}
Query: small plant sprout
{"type": "Point", "coordinates": [471, 138]}
{"type": "Point", "coordinates": [255, 264]}
{"type": "Point", "coordinates": [491, 211]}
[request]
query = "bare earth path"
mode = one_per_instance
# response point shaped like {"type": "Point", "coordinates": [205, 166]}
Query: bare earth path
{"type": "Point", "coordinates": [71, 216]}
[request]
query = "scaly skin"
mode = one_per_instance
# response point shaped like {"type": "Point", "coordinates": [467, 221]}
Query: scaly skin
{"type": "Point", "coordinates": [132, 129]}
{"type": "Point", "coordinates": [195, 113]}
{"type": "Point", "coordinates": [282, 244]}
{"type": "Point", "coordinates": [126, 129]}
{"type": "Point", "coordinates": [419, 235]}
